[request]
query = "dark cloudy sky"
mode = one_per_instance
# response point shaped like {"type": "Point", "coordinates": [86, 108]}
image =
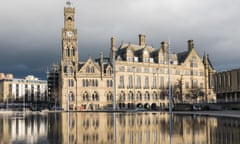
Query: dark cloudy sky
{"type": "Point", "coordinates": [30, 30]}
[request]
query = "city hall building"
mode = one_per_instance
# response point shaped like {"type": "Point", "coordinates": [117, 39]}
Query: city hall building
{"type": "Point", "coordinates": [132, 75]}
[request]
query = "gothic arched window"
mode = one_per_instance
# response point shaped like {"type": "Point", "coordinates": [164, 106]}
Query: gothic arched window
{"type": "Point", "coordinates": [85, 96]}
{"type": "Point", "coordinates": [92, 69]}
{"type": "Point", "coordinates": [88, 69]}
{"type": "Point", "coordinates": [71, 96]}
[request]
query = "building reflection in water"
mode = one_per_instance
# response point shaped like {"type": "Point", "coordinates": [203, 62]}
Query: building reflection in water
{"type": "Point", "coordinates": [20, 128]}
{"type": "Point", "coordinates": [131, 128]}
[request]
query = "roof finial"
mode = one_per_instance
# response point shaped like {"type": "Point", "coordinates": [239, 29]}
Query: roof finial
{"type": "Point", "coordinates": [69, 3]}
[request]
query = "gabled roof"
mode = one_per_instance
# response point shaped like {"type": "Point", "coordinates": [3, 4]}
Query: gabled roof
{"type": "Point", "coordinates": [80, 65]}
{"type": "Point", "coordinates": [184, 55]}
{"type": "Point", "coordinates": [89, 62]}
{"type": "Point", "coordinates": [206, 60]}
{"type": "Point", "coordinates": [209, 62]}
{"type": "Point", "coordinates": [135, 47]}
{"type": "Point", "coordinates": [107, 66]}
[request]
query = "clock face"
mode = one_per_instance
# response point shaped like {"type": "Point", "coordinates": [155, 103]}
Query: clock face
{"type": "Point", "coordinates": [69, 33]}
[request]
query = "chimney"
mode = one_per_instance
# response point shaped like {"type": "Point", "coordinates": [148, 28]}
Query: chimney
{"type": "Point", "coordinates": [142, 40]}
{"type": "Point", "coordinates": [113, 42]}
{"type": "Point", "coordinates": [190, 45]}
{"type": "Point", "coordinates": [113, 48]}
{"type": "Point", "coordinates": [164, 46]}
{"type": "Point", "coordinates": [101, 64]}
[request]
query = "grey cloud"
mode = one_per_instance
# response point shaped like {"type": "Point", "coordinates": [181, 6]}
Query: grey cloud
{"type": "Point", "coordinates": [30, 30]}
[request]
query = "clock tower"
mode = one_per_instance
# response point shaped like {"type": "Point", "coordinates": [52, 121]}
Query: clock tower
{"type": "Point", "coordinates": [69, 36]}
{"type": "Point", "coordinates": [69, 58]}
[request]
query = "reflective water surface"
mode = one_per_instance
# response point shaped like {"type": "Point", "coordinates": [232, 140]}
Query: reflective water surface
{"type": "Point", "coordinates": [119, 128]}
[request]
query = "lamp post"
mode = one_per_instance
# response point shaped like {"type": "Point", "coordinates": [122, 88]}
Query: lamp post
{"type": "Point", "coordinates": [68, 117]}
{"type": "Point", "coordinates": [169, 95]}
{"type": "Point", "coordinates": [114, 73]}
{"type": "Point", "coordinates": [24, 102]}
{"type": "Point", "coordinates": [169, 83]}
{"type": "Point", "coordinates": [134, 93]}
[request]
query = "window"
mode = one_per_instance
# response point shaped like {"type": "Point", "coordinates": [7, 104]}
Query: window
{"type": "Point", "coordinates": [146, 70]}
{"type": "Point", "coordinates": [70, 83]}
{"type": "Point", "coordinates": [130, 96]}
{"type": "Point", "coordinates": [87, 69]}
{"type": "Point", "coordinates": [109, 83]}
{"type": "Point", "coordinates": [109, 96]}
{"type": "Point", "coordinates": [121, 68]}
{"type": "Point", "coordinates": [121, 82]}
{"type": "Point", "coordinates": [129, 69]}
{"type": "Point", "coordinates": [83, 83]}
{"type": "Point", "coordinates": [122, 96]}
{"type": "Point", "coordinates": [138, 69]}
{"type": "Point", "coordinates": [71, 96]}
{"type": "Point", "coordinates": [161, 71]}
{"type": "Point", "coordinates": [177, 72]}
{"type": "Point", "coordinates": [73, 52]}
{"type": "Point", "coordinates": [211, 83]}
{"type": "Point", "coordinates": [186, 72]}
{"type": "Point", "coordinates": [194, 83]}
{"type": "Point", "coordinates": [154, 96]}
{"type": "Point", "coordinates": [92, 69]}
{"type": "Point", "coordinates": [147, 96]}
{"type": "Point", "coordinates": [95, 96]}
{"type": "Point", "coordinates": [154, 82]}
{"type": "Point", "coordinates": [201, 73]}
{"type": "Point", "coordinates": [193, 62]}
{"type": "Point", "coordinates": [139, 96]}
{"type": "Point", "coordinates": [154, 70]}
{"type": "Point", "coordinates": [109, 71]}
{"type": "Point", "coordinates": [194, 72]}
{"type": "Point", "coordinates": [161, 82]}
{"type": "Point", "coordinates": [186, 84]}
{"type": "Point", "coordinates": [85, 96]}
{"type": "Point", "coordinates": [146, 82]}
{"type": "Point", "coordinates": [130, 82]}
{"type": "Point", "coordinates": [96, 83]}
{"type": "Point", "coordinates": [201, 85]}
{"type": "Point", "coordinates": [138, 84]}
{"type": "Point", "coordinates": [88, 82]}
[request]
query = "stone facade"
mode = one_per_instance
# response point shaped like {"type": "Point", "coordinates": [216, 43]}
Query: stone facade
{"type": "Point", "coordinates": [134, 75]}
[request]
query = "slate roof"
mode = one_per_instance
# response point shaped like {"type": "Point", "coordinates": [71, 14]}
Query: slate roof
{"type": "Point", "coordinates": [182, 56]}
